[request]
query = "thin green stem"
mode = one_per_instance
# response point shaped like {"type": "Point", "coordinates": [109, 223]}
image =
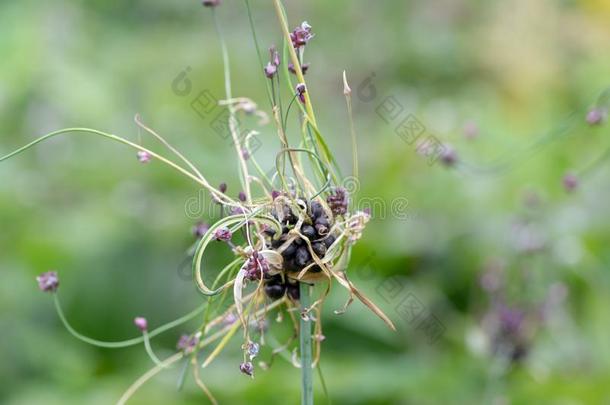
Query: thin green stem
{"type": "Point", "coordinates": [305, 346]}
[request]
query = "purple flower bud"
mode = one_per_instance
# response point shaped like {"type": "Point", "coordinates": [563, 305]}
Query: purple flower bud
{"type": "Point", "coordinates": [471, 130]}
{"type": "Point", "coordinates": [252, 348]}
{"type": "Point", "coordinates": [247, 368]}
{"type": "Point", "coordinates": [448, 156]}
{"type": "Point", "coordinates": [141, 323]}
{"type": "Point", "coordinates": [230, 319]}
{"type": "Point", "coordinates": [256, 267]}
{"type": "Point", "coordinates": [595, 116]}
{"type": "Point", "coordinates": [270, 70]}
{"type": "Point", "coordinates": [275, 56]}
{"type": "Point", "coordinates": [48, 282]}
{"type": "Point", "coordinates": [143, 156]}
{"type": "Point", "coordinates": [301, 35]}
{"type": "Point", "coordinates": [301, 92]}
{"type": "Point", "coordinates": [210, 3]}
{"type": "Point", "coordinates": [570, 182]}
{"type": "Point", "coordinates": [245, 154]}
{"type": "Point", "coordinates": [242, 196]}
{"type": "Point", "coordinates": [200, 229]}
{"type": "Point", "coordinates": [223, 234]}
{"type": "Point", "coordinates": [275, 194]}
{"type": "Point", "coordinates": [188, 343]}
{"type": "Point", "coordinates": [338, 201]}
{"type": "Point", "coordinates": [222, 187]}
{"type": "Point", "coordinates": [304, 68]}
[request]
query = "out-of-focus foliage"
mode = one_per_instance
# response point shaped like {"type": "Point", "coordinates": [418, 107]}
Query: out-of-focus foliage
{"type": "Point", "coordinates": [117, 231]}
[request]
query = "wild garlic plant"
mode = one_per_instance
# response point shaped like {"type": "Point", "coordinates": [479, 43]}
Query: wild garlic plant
{"type": "Point", "coordinates": [298, 229]}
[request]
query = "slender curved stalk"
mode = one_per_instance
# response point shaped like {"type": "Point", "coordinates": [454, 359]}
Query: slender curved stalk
{"type": "Point", "coordinates": [305, 347]}
{"type": "Point", "coordinates": [125, 343]}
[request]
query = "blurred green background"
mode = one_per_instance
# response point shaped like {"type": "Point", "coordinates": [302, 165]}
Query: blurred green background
{"type": "Point", "coordinates": [117, 231]}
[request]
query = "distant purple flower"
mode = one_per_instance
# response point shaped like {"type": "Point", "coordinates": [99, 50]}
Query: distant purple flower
{"type": "Point", "coordinates": [270, 70]}
{"type": "Point", "coordinates": [222, 187]}
{"type": "Point", "coordinates": [48, 282]}
{"type": "Point", "coordinates": [275, 194]}
{"type": "Point", "coordinates": [595, 116]}
{"type": "Point", "coordinates": [570, 182]}
{"type": "Point", "coordinates": [471, 130]}
{"type": "Point", "coordinates": [301, 35]}
{"type": "Point", "coordinates": [301, 92]}
{"type": "Point", "coordinates": [200, 229]}
{"type": "Point", "coordinates": [223, 234]}
{"type": "Point", "coordinates": [229, 319]}
{"type": "Point", "coordinates": [275, 56]}
{"type": "Point", "coordinates": [245, 154]}
{"type": "Point", "coordinates": [338, 201]}
{"type": "Point", "coordinates": [238, 211]}
{"type": "Point", "coordinates": [448, 156]}
{"type": "Point", "coordinates": [242, 196]}
{"type": "Point", "coordinates": [304, 68]}
{"type": "Point", "coordinates": [210, 3]}
{"type": "Point", "coordinates": [143, 156]}
{"type": "Point", "coordinates": [188, 343]}
{"type": "Point", "coordinates": [511, 320]}
{"type": "Point", "coordinates": [247, 368]}
{"type": "Point", "coordinates": [141, 323]}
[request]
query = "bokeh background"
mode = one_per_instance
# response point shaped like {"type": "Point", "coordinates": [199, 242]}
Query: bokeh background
{"type": "Point", "coordinates": [513, 267]}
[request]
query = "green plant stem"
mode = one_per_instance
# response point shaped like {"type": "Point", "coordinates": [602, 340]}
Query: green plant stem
{"type": "Point", "coordinates": [305, 346]}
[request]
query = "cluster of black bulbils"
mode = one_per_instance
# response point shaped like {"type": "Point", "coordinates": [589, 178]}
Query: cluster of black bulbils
{"type": "Point", "coordinates": [316, 227]}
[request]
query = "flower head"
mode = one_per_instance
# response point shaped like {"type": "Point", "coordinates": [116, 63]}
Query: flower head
{"type": "Point", "coordinates": [200, 229]}
{"type": "Point", "coordinates": [304, 68]}
{"type": "Point", "coordinates": [223, 234]}
{"type": "Point", "coordinates": [141, 323]}
{"type": "Point", "coordinates": [241, 196]}
{"type": "Point", "coordinates": [338, 201]}
{"type": "Point", "coordinates": [247, 368]}
{"type": "Point", "coordinates": [143, 156]}
{"type": "Point", "coordinates": [570, 182]}
{"type": "Point", "coordinates": [188, 343]}
{"type": "Point", "coordinates": [211, 3]}
{"type": "Point", "coordinates": [270, 70]}
{"type": "Point", "coordinates": [448, 156]}
{"type": "Point", "coordinates": [48, 282]}
{"type": "Point", "coordinates": [595, 116]}
{"type": "Point", "coordinates": [275, 56]}
{"type": "Point", "coordinates": [301, 35]}
{"type": "Point", "coordinates": [301, 92]}
{"type": "Point", "coordinates": [256, 266]}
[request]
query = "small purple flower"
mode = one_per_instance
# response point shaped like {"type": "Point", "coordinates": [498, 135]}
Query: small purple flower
{"type": "Point", "coordinates": [245, 154]}
{"type": "Point", "coordinates": [471, 130]}
{"type": "Point", "coordinates": [242, 196]}
{"type": "Point", "coordinates": [188, 343]}
{"type": "Point", "coordinates": [275, 194]}
{"type": "Point", "coordinates": [304, 68]}
{"type": "Point", "coordinates": [448, 156]}
{"type": "Point", "coordinates": [222, 188]}
{"type": "Point", "coordinates": [301, 92]}
{"type": "Point", "coordinates": [301, 35]}
{"type": "Point", "coordinates": [210, 3]}
{"type": "Point", "coordinates": [223, 234]}
{"type": "Point", "coordinates": [229, 319]}
{"type": "Point", "coordinates": [256, 266]}
{"type": "Point", "coordinates": [275, 56]}
{"type": "Point", "coordinates": [247, 368]}
{"type": "Point", "coordinates": [270, 70]}
{"type": "Point", "coordinates": [143, 156]}
{"type": "Point", "coordinates": [48, 282]}
{"type": "Point", "coordinates": [141, 323]}
{"type": "Point", "coordinates": [595, 116]}
{"type": "Point", "coordinates": [570, 182]}
{"type": "Point", "coordinates": [252, 349]}
{"type": "Point", "coordinates": [200, 229]}
{"type": "Point", "coordinates": [338, 201]}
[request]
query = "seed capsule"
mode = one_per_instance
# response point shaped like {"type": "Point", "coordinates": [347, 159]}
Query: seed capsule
{"type": "Point", "coordinates": [302, 257]}
{"type": "Point", "coordinates": [275, 291]}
